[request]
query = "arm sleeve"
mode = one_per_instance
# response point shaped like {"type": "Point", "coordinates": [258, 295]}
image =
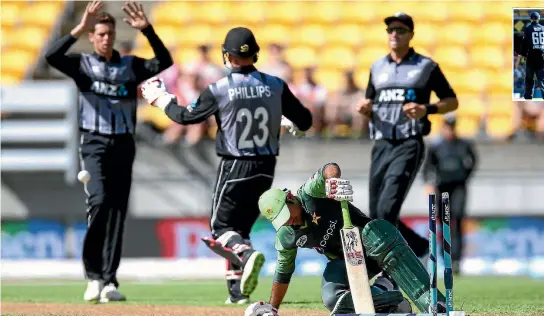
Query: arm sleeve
{"type": "Point", "coordinates": [526, 43]}
{"type": "Point", "coordinates": [147, 68]}
{"type": "Point", "coordinates": [294, 110]}
{"type": "Point", "coordinates": [440, 85]}
{"type": "Point", "coordinates": [56, 56]}
{"type": "Point", "coordinates": [429, 168]}
{"type": "Point", "coordinates": [315, 186]}
{"type": "Point", "coordinates": [285, 264]}
{"type": "Point", "coordinates": [198, 111]}
{"type": "Point", "coordinates": [370, 92]}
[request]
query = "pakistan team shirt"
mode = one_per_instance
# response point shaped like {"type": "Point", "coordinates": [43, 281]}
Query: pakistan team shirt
{"type": "Point", "coordinates": [321, 230]}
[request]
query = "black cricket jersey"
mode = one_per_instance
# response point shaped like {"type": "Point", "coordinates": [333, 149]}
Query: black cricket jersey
{"type": "Point", "coordinates": [391, 85]}
{"type": "Point", "coordinates": [108, 89]}
{"type": "Point", "coordinates": [248, 106]}
{"type": "Point", "coordinates": [533, 44]}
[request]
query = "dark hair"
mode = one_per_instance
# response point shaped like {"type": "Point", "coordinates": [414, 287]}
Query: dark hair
{"type": "Point", "coordinates": [104, 18]}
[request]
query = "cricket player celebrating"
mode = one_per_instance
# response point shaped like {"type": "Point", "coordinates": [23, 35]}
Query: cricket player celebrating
{"type": "Point", "coordinates": [313, 219]}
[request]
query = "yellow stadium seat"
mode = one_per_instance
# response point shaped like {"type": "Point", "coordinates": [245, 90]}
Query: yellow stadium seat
{"type": "Point", "coordinates": [425, 35]}
{"type": "Point", "coordinates": [502, 12]}
{"type": "Point", "coordinates": [456, 34]}
{"type": "Point", "coordinates": [300, 56]}
{"type": "Point", "coordinates": [10, 78]}
{"type": "Point", "coordinates": [184, 55]}
{"type": "Point", "coordinates": [154, 115]}
{"type": "Point", "coordinates": [169, 34]}
{"type": "Point", "coordinates": [495, 33]}
{"type": "Point", "coordinates": [10, 13]}
{"type": "Point", "coordinates": [468, 11]}
{"type": "Point", "coordinates": [41, 14]}
{"type": "Point", "coordinates": [361, 76]}
{"type": "Point", "coordinates": [17, 61]}
{"type": "Point", "coordinates": [470, 106]}
{"type": "Point", "coordinates": [140, 40]}
{"type": "Point", "coordinates": [467, 127]}
{"type": "Point", "coordinates": [216, 55]}
{"type": "Point", "coordinates": [344, 34]}
{"type": "Point", "coordinates": [310, 34]}
{"type": "Point", "coordinates": [430, 12]}
{"type": "Point", "coordinates": [325, 12]}
{"type": "Point", "coordinates": [499, 128]}
{"type": "Point", "coordinates": [358, 12]}
{"type": "Point", "coordinates": [211, 12]}
{"type": "Point", "coordinates": [284, 12]}
{"type": "Point", "coordinates": [436, 124]}
{"type": "Point", "coordinates": [385, 9]}
{"type": "Point", "coordinates": [423, 51]}
{"type": "Point", "coordinates": [368, 55]}
{"type": "Point", "coordinates": [274, 33]}
{"type": "Point", "coordinates": [198, 34]}
{"type": "Point", "coordinates": [144, 52]}
{"type": "Point", "coordinates": [500, 116]}
{"type": "Point", "coordinates": [249, 12]}
{"type": "Point", "coordinates": [375, 34]}
{"type": "Point", "coordinates": [487, 57]}
{"type": "Point", "coordinates": [340, 57]}
{"type": "Point", "coordinates": [172, 13]}
{"type": "Point", "coordinates": [451, 56]}
{"type": "Point", "coordinates": [474, 81]}
{"type": "Point", "coordinates": [32, 38]}
{"type": "Point", "coordinates": [331, 79]}
{"type": "Point", "coordinates": [500, 82]}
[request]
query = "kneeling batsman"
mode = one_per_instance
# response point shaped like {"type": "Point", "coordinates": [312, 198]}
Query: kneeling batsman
{"type": "Point", "coordinates": [313, 219]}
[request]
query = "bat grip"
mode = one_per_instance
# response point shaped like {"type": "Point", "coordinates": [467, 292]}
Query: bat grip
{"type": "Point", "coordinates": [345, 214]}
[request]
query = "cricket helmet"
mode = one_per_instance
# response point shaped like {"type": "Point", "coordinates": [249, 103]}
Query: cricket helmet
{"type": "Point", "coordinates": [535, 15]}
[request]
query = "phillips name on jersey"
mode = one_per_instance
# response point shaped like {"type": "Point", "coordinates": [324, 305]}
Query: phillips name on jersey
{"type": "Point", "coordinates": [249, 92]}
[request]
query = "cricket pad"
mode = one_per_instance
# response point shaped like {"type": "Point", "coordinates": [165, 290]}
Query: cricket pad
{"type": "Point", "coordinates": [384, 243]}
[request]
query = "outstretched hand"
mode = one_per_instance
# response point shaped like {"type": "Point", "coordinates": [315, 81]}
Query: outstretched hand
{"type": "Point", "coordinates": [90, 16]}
{"type": "Point", "coordinates": [136, 15]}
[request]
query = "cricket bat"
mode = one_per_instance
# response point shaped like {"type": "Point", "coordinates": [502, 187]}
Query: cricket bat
{"type": "Point", "coordinates": [355, 265]}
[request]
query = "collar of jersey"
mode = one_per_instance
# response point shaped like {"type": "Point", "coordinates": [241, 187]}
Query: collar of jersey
{"type": "Point", "coordinates": [408, 56]}
{"type": "Point", "coordinates": [244, 69]}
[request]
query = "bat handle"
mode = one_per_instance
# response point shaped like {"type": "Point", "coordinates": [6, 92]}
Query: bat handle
{"type": "Point", "coordinates": [345, 214]}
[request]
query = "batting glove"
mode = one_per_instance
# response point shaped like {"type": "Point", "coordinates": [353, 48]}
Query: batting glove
{"type": "Point", "coordinates": [339, 189]}
{"type": "Point", "coordinates": [290, 126]}
{"type": "Point", "coordinates": [154, 91]}
{"type": "Point", "coordinates": [261, 309]}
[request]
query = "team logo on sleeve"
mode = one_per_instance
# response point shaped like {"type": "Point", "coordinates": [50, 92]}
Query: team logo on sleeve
{"type": "Point", "coordinates": [302, 241]}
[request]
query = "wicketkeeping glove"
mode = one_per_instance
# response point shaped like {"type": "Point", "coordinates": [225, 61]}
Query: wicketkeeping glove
{"type": "Point", "coordinates": [261, 309]}
{"type": "Point", "coordinates": [154, 91]}
{"type": "Point", "coordinates": [290, 126]}
{"type": "Point", "coordinates": [339, 189]}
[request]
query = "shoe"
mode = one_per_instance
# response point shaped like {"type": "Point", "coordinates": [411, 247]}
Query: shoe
{"type": "Point", "coordinates": [340, 304]}
{"type": "Point", "coordinates": [92, 293]}
{"type": "Point", "coordinates": [237, 300]}
{"type": "Point", "coordinates": [252, 269]}
{"type": "Point", "coordinates": [110, 294]}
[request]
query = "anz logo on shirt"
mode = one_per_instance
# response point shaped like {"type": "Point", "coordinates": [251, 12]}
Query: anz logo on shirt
{"type": "Point", "coordinates": [112, 90]}
{"type": "Point", "coordinates": [388, 95]}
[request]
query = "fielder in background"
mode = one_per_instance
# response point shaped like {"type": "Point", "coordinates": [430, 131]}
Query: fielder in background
{"type": "Point", "coordinates": [313, 219]}
{"type": "Point", "coordinates": [532, 48]}
{"type": "Point", "coordinates": [107, 84]}
{"type": "Point", "coordinates": [450, 163]}
{"type": "Point", "coordinates": [397, 105]}
{"type": "Point", "coordinates": [248, 106]}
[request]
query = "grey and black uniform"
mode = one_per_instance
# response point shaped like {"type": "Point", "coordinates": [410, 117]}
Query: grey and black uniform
{"type": "Point", "coordinates": [399, 150]}
{"type": "Point", "coordinates": [107, 119]}
{"type": "Point", "coordinates": [248, 106]}
{"type": "Point", "coordinates": [533, 50]}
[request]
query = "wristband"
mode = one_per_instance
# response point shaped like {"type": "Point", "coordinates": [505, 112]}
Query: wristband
{"type": "Point", "coordinates": [432, 108]}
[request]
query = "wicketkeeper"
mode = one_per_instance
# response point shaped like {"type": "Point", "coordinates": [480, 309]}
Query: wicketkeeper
{"type": "Point", "coordinates": [313, 219]}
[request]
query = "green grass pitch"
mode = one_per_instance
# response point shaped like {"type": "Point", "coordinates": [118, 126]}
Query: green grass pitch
{"type": "Point", "coordinates": [475, 295]}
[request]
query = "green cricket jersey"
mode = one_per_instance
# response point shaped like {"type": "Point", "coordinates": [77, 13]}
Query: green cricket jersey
{"type": "Point", "coordinates": [321, 231]}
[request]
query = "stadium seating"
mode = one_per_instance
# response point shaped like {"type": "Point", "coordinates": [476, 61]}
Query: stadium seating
{"type": "Point", "coordinates": [26, 28]}
{"type": "Point", "coordinates": [337, 36]}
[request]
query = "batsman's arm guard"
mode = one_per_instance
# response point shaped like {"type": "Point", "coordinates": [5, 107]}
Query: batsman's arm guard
{"type": "Point", "coordinates": [384, 243]}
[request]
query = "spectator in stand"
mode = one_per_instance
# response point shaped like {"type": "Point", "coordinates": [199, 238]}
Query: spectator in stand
{"type": "Point", "coordinates": [277, 65]}
{"type": "Point", "coordinates": [340, 112]}
{"type": "Point", "coordinates": [125, 48]}
{"type": "Point", "coordinates": [205, 67]}
{"type": "Point", "coordinates": [529, 119]}
{"type": "Point", "coordinates": [313, 96]}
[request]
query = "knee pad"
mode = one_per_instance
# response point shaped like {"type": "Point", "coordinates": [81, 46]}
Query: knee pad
{"type": "Point", "coordinates": [384, 243]}
{"type": "Point", "coordinates": [384, 301]}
